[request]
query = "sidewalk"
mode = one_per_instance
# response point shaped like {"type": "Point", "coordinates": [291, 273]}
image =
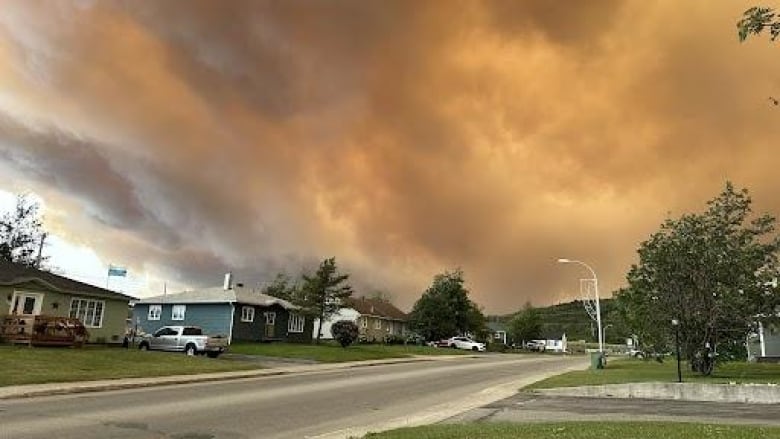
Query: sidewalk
{"type": "Point", "coordinates": [49, 389]}
{"type": "Point", "coordinates": [527, 407]}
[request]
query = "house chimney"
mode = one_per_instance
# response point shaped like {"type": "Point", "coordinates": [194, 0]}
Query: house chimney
{"type": "Point", "coordinates": [228, 281]}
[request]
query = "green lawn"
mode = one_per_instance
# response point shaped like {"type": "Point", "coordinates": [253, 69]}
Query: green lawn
{"type": "Point", "coordinates": [25, 365]}
{"type": "Point", "coordinates": [332, 353]}
{"type": "Point", "coordinates": [635, 371]}
{"type": "Point", "coordinates": [582, 430]}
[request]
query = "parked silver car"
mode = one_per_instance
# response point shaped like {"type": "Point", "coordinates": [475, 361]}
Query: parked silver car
{"type": "Point", "coordinates": [187, 339]}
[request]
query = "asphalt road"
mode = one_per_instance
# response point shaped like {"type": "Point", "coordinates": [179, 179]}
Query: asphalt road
{"type": "Point", "coordinates": [293, 406]}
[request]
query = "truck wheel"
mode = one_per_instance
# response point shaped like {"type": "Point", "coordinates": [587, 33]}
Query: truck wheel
{"type": "Point", "coordinates": [190, 350]}
{"type": "Point", "coordinates": [212, 354]}
{"type": "Point", "coordinates": [143, 347]}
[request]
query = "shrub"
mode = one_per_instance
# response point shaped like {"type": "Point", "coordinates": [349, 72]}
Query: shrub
{"type": "Point", "coordinates": [415, 339]}
{"type": "Point", "coordinates": [393, 339]}
{"type": "Point", "coordinates": [345, 332]}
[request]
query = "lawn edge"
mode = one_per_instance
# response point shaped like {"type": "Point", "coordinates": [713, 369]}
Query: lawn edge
{"type": "Point", "coordinates": [74, 387]}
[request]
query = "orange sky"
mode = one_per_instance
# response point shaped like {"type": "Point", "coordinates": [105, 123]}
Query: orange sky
{"type": "Point", "coordinates": [402, 137]}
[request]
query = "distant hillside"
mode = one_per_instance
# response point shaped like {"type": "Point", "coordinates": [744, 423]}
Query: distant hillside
{"type": "Point", "coordinates": [572, 319]}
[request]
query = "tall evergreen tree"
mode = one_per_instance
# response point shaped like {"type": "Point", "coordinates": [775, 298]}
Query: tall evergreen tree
{"type": "Point", "coordinates": [324, 293]}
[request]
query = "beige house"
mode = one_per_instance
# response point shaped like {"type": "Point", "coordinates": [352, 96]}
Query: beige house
{"type": "Point", "coordinates": [25, 291]}
{"type": "Point", "coordinates": [378, 319]}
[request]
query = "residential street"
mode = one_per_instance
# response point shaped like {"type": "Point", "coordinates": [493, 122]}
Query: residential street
{"type": "Point", "coordinates": [344, 401]}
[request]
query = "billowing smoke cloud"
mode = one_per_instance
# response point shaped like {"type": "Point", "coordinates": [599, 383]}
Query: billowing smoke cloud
{"type": "Point", "coordinates": [404, 138]}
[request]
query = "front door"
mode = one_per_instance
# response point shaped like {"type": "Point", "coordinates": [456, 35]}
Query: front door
{"type": "Point", "coordinates": [270, 322]}
{"type": "Point", "coordinates": [28, 304]}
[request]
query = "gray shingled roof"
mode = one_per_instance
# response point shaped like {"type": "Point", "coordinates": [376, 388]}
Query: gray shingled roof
{"type": "Point", "coordinates": [219, 295]}
{"type": "Point", "coordinates": [14, 274]}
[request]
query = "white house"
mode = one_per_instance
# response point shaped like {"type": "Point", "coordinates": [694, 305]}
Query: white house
{"type": "Point", "coordinates": [765, 344]}
{"type": "Point", "coordinates": [556, 345]}
{"type": "Point", "coordinates": [343, 314]}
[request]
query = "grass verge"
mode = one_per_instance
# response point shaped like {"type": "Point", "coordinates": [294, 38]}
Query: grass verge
{"type": "Point", "coordinates": [636, 371]}
{"type": "Point", "coordinates": [332, 353]}
{"type": "Point", "coordinates": [582, 430]}
{"type": "Point", "coordinates": [26, 365]}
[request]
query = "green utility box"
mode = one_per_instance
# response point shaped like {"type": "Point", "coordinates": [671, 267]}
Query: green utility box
{"type": "Point", "coordinates": [597, 360]}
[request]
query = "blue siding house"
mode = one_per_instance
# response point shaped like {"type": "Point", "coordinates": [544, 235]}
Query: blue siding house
{"type": "Point", "coordinates": [237, 313]}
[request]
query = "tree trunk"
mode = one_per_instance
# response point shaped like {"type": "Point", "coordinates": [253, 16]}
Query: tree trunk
{"type": "Point", "coordinates": [319, 328]}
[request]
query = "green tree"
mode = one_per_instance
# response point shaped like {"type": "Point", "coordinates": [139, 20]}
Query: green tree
{"type": "Point", "coordinates": [526, 325]}
{"type": "Point", "coordinates": [445, 309]}
{"type": "Point", "coordinates": [756, 20]}
{"type": "Point", "coordinates": [284, 287]}
{"type": "Point", "coordinates": [21, 233]}
{"type": "Point", "coordinates": [637, 311]}
{"type": "Point", "coordinates": [477, 323]}
{"type": "Point", "coordinates": [324, 293]}
{"type": "Point", "coordinates": [381, 295]}
{"type": "Point", "coordinates": [709, 271]}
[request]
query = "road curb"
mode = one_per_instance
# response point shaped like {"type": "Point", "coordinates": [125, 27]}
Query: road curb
{"type": "Point", "coordinates": [55, 389]}
{"type": "Point", "coordinates": [698, 392]}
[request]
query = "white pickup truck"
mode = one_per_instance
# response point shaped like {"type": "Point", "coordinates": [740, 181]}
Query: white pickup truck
{"type": "Point", "coordinates": [187, 339]}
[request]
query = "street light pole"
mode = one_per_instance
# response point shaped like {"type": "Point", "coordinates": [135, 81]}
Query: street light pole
{"type": "Point", "coordinates": [598, 306]}
{"type": "Point", "coordinates": [604, 337]}
{"type": "Point", "coordinates": [676, 324]}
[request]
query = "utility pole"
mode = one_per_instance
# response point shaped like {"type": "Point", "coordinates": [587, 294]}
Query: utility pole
{"type": "Point", "coordinates": [40, 251]}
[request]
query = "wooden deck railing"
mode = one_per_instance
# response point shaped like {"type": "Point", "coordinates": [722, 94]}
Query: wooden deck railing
{"type": "Point", "coordinates": [42, 331]}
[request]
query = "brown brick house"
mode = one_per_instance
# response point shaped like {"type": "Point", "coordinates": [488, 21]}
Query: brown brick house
{"type": "Point", "coordinates": [378, 318]}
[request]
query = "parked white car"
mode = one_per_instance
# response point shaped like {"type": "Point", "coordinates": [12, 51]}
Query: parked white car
{"type": "Point", "coordinates": [466, 343]}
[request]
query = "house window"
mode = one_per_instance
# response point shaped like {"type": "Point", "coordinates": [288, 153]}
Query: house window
{"type": "Point", "coordinates": [247, 314]}
{"type": "Point", "coordinates": [155, 311]}
{"type": "Point", "coordinates": [296, 323]}
{"type": "Point", "coordinates": [90, 312]}
{"type": "Point", "coordinates": [178, 311]}
{"type": "Point", "coordinates": [270, 318]}
{"type": "Point", "coordinates": [364, 322]}
{"type": "Point", "coordinates": [377, 324]}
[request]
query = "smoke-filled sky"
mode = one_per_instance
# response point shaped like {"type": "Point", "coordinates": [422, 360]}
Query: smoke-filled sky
{"type": "Point", "coordinates": [185, 139]}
